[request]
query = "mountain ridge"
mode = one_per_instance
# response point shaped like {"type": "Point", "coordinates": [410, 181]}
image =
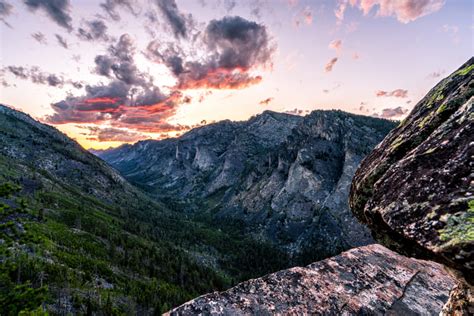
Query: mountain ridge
{"type": "Point", "coordinates": [241, 173]}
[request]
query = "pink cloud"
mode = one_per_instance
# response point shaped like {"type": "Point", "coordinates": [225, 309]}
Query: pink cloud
{"type": "Point", "coordinates": [304, 17]}
{"type": "Point", "coordinates": [404, 10]}
{"type": "Point", "coordinates": [397, 93]}
{"type": "Point", "coordinates": [336, 45]}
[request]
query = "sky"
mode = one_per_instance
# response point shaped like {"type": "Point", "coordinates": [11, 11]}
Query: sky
{"type": "Point", "coordinates": [108, 72]}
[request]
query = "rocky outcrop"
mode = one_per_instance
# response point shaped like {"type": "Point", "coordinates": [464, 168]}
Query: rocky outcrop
{"type": "Point", "coordinates": [286, 177]}
{"type": "Point", "coordinates": [370, 280]}
{"type": "Point", "coordinates": [415, 190]}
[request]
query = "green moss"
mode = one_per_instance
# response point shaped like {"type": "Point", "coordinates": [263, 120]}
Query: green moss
{"type": "Point", "coordinates": [465, 70]}
{"type": "Point", "coordinates": [397, 143]}
{"type": "Point", "coordinates": [424, 121]}
{"type": "Point", "coordinates": [441, 109]}
{"type": "Point", "coordinates": [459, 228]}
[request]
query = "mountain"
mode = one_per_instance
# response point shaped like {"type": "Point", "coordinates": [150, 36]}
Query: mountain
{"type": "Point", "coordinates": [281, 178]}
{"type": "Point", "coordinates": [415, 193]}
{"type": "Point", "coordinates": [76, 237]}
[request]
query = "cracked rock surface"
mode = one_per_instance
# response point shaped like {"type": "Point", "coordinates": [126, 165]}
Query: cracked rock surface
{"type": "Point", "coordinates": [365, 280]}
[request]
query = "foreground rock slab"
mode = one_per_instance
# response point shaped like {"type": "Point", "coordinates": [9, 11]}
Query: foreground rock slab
{"type": "Point", "coordinates": [365, 280]}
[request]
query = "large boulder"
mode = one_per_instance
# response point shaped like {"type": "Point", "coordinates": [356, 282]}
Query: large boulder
{"type": "Point", "coordinates": [370, 280]}
{"type": "Point", "coordinates": [415, 190]}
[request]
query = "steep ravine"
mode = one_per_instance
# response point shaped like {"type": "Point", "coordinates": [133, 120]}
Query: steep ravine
{"type": "Point", "coordinates": [284, 179]}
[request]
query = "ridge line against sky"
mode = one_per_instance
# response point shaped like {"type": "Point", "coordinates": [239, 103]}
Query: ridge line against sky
{"type": "Point", "coordinates": [113, 71]}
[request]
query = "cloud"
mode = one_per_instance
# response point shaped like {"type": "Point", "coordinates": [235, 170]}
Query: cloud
{"type": "Point", "coordinates": [390, 113]}
{"type": "Point", "coordinates": [5, 10]}
{"type": "Point", "coordinates": [436, 74]}
{"type": "Point", "coordinates": [397, 93]}
{"type": "Point", "coordinates": [266, 101]}
{"type": "Point", "coordinates": [94, 30]}
{"type": "Point", "coordinates": [453, 31]}
{"type": "Point", "coordinates": [110, 7]}
{"type": "Point", "coordinates": [229, 5]}
{"type": "Point", "coordinates": [121, 106]}
{"type": "Point", "coordinates": [330, 64]}
{"type": "Point", "coordinates": [119, 63]}
{"type": "Point", "coordinates": [404, 10]}
{"type": "Point", "coordinates": [40, 38]}
{"type": "Point", "coordinates": [336, 45]}
{"type": "Point", "coordinates": [130, 99]}
{"type": "Point", "coordinates": [35, 75]}
{"type": "Point", "coordinates": [233, 48]}
{"type": "Point", "coordinates": [57, 10]}
{"type": "Point", "coordinates": [305, 16]}
{"type": "Point", "coordinates": [61, 41]}
{"type": "Point", "coordinates": [334, 87]}
{"type": "Point", "coordinates": [112, 134]}
{"type": "Point", "coordinates": [175, 18]}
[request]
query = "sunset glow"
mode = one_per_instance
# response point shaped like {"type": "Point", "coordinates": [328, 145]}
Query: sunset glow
{"type": "Point", "coordinates": [155, 69]}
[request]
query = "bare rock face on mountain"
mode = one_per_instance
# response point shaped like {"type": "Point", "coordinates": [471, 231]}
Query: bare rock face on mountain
{"type": "Point", "coordinates": [285, 177]}
{"type": "Point", "coordinates": [370, 280]}
{"type": "Point", "coordinates": [415, 190]}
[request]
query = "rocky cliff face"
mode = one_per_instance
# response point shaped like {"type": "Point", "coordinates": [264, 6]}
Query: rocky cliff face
{"type": "Point", "coordinates": [286, 177]}
{"type": "Point", "coordinates": [370, 280]}
{"type": "Point", "coordinates": [415, 190]}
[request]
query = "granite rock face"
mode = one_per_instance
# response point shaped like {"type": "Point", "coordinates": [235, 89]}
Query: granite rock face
{"type": "Point", "coordinates": [370, 280]}
{"type": "Point", "coordinates": [415, 190]}
{"type": "Point", "coordinates": [285, 177]}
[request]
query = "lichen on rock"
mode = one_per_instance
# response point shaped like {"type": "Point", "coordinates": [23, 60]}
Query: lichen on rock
{"type": "Point", "coordinates": [415, 190]}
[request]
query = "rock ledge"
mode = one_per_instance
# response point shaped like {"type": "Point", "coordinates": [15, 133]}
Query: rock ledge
{"type": "Point", "coordinates": [365, 280]}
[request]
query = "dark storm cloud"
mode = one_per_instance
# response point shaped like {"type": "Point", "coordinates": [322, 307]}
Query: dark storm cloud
{"type": "Point", "coordinates": [233, 45]}
{"type": "Point", "coordinates": [93, 30]}
{"type": "Point", "coordinates": [171, 56]}
{"type": "Point", "coordinates": [119, 63]}
{"type": "Point", "coordinates": [57, 10]}
{"type": "Point", "coordinates": [239, 42]}
{"type": "Point", "coordinates": [174, 17]}
{"type": "Point", "coordinates": [39, 37]}
{"type": "Point", "coordinates": [111, 6]}
{"type": "Point", "coordinates": [61, 41]}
